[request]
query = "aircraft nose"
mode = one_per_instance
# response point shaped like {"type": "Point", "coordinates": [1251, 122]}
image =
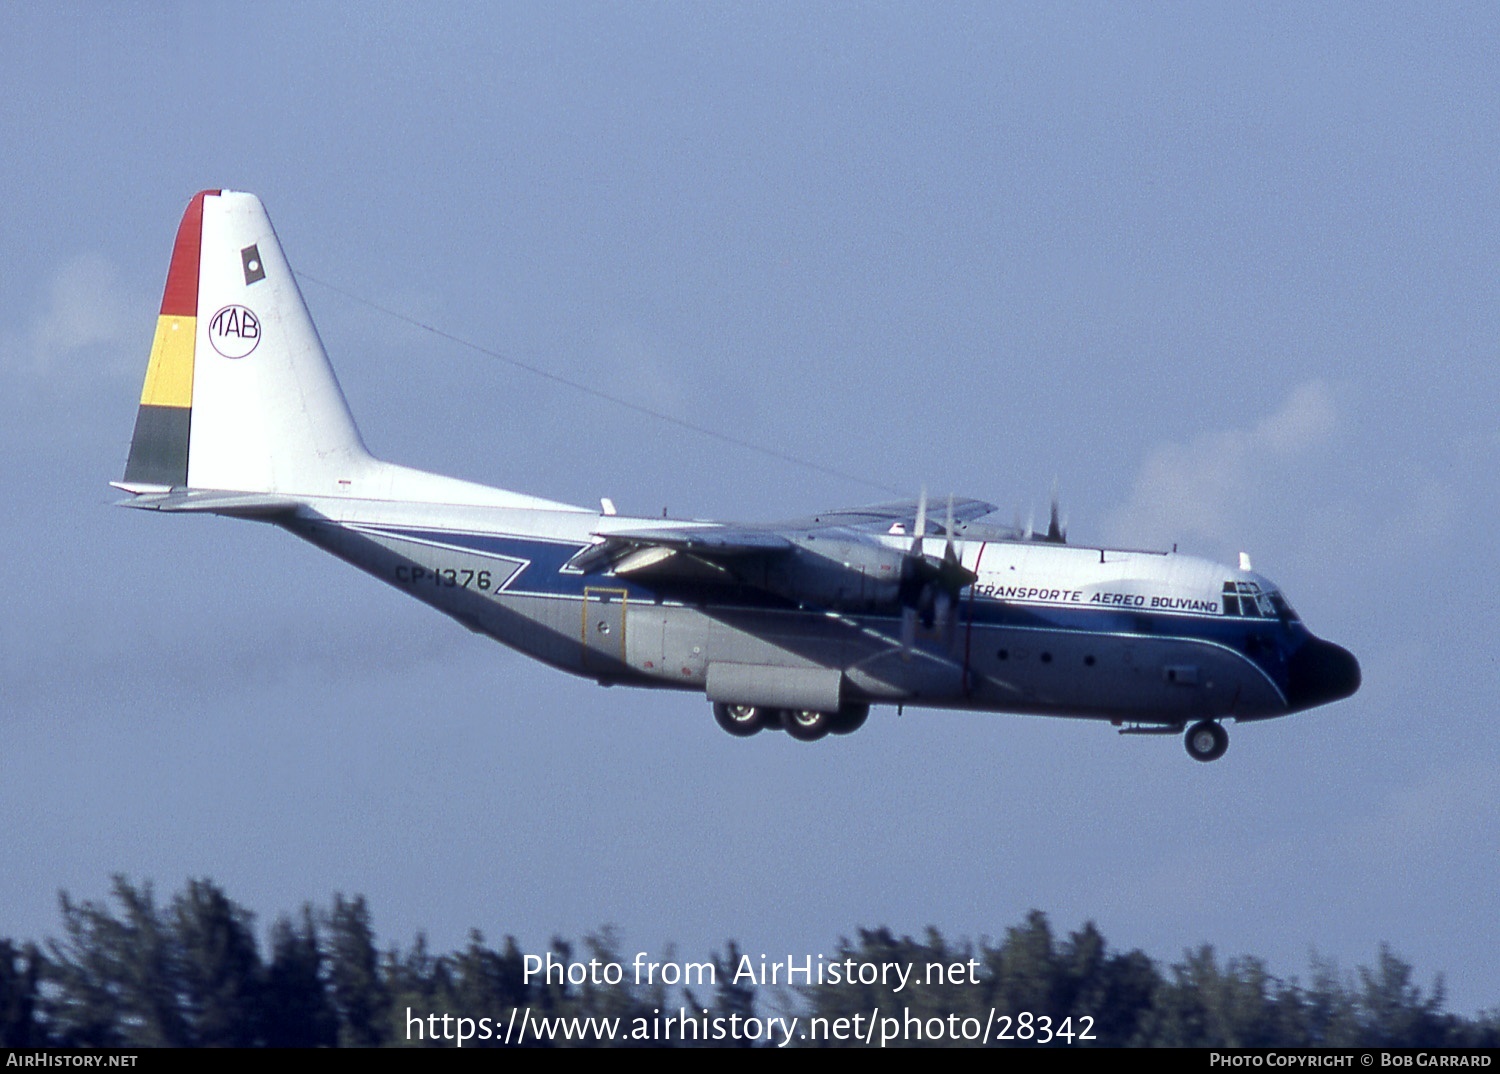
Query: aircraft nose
{"type": "Point", "coordinates": [1320, 672]}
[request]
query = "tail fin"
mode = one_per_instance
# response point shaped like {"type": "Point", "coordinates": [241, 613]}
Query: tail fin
{"type": "Point", "coordinates": [239, 394]}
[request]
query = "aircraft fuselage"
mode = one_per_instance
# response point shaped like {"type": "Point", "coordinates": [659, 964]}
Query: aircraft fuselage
{"type": "Point", "coordinates": [1045, 628]}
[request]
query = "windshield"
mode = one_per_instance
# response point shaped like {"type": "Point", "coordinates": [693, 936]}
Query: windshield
{"type": "Point", "coordinates": [1248, 601]}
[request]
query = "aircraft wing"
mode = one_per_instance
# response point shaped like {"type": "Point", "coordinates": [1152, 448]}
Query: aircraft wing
{"type": "Point", "coordinates": [709, 540]}
{"type": "Point", "coordinates": [686, 553]}
{"type": "Point", "coordinates": [732, 554]}
{"type": "Point", "coordinates": [880, 517]}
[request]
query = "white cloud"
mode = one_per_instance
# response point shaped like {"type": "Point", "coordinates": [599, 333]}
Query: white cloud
{"type": "Point", "coordinates": [88, 327]}
{"type": "Point", "coordinates": [1210, 487]}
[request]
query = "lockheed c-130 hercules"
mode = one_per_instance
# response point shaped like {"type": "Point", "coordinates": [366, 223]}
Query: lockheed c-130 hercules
{"type": "Point", "coordinates": [801, 625]}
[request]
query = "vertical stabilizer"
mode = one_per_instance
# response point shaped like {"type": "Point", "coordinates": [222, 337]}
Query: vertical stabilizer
{"type": "Point", "coordinates": [239, 393]}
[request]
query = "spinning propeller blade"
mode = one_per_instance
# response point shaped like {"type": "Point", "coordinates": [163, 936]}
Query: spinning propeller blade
{"type": "Point", "coordinates": [1057, 530]}
{"type": "Point", "coordinates": [930, 585]}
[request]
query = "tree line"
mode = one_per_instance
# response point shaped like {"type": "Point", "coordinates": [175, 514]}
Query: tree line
{"type": "Point", "coordinates": [136, 972]}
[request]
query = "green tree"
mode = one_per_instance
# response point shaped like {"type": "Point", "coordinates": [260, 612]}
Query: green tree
{"type": "Point", "coordinates": [1394, 1011]}
{"type": "Point", "coordinates": [113, 979]}
{"type": "Point", "coordinates": [625, 1000]}
{"type": "Point", "coordinates": [217, 968]}
{"type": "Point", "coordinates": [487, 983]}
{"type": "Point", "coordinates": [1329, 1014]}
{"type": "Point", "coordinates": [295, 1008]}
{"type": "Point", "coordinates": [359, 995]}
{"type": "Point", "coordinates": [1237, 1005]}
{"type": "Point", "coordinates": [1104, 994]}
{"type": "Point", "coordinates": [1026, 972]}
{"type": "Point", "coordinates": [418, 984]}
{"type": "Point", "coordinates": [20, 973]}
{"type": "Point", "coordinates": [731, 997]}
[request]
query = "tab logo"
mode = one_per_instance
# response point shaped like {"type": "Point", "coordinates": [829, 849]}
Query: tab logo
{"type": "Point", "coordinates": [234, 331]}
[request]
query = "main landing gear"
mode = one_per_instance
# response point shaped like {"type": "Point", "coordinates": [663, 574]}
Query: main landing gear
{"type": "Point", "coordinates": [741, 721]}
{"type": "Point", "coordinates": [1206, 741]}
{"type": "Point", "coordinates": [805, 725]}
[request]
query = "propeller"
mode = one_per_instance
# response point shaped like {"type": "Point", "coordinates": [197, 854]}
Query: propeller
{"type": "Point", "coordinates": [912, 584]}
{"type": "Point", "coordinates": [1057, 530]}
{"type": "Point", "coordinates": [952, 578]}
{"type": "Point", "coordinates": [930, 585]}
{"type": "Point", "coordinates": [1057, 526]}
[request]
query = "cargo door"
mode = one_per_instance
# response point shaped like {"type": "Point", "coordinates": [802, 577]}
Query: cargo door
{"type": "Point", "coordinates": [603, 629]}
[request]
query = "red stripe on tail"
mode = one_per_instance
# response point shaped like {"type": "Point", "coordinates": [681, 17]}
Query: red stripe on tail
{"type": "Point", "coordinates": [180, 299]}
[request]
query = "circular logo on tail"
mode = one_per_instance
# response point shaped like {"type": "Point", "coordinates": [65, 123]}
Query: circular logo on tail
{"type": "Point", "coordinates": [234, 331]}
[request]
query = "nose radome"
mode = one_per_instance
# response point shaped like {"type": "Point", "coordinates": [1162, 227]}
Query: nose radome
{"type": "Point", "coordinates": [1320, 672]}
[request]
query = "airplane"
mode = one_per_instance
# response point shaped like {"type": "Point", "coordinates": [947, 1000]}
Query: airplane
{"type": "Point", "coordinates": [801, 625]}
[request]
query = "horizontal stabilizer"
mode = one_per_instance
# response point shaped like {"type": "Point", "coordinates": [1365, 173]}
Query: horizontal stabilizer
{"type": "Point", "coordinates": [213, 502]}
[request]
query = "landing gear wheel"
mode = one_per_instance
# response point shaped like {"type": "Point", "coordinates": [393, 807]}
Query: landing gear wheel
{"type": "Point", "coordinates": [1206, 741]}
{"type": "Point", "coordinates": [849, 719]}
{"type": "Point", "coordinates": [805, 725]}
{"type": "Point", "coordinates": [742, 721]}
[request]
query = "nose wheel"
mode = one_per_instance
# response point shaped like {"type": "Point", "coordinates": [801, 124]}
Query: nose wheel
{"type": "Point", "coordinates": [1206, 741]}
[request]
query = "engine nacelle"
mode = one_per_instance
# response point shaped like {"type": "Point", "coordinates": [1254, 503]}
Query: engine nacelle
{"type": "Point", "coordinates": [829, 569]}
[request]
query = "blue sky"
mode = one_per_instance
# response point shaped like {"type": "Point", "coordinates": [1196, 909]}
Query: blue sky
{"type": "Point", "coordinates": [1227, 275]}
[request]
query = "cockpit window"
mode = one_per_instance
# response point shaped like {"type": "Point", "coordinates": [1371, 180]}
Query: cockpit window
{"type": "Point", "coordinates": [1284, 611]}
{"type": "Point", "coordinates": [1246, 601]}
{"type": "Point", "coordinates": [1243, 599]}
{"type": "Point", "coordinates": [1231, 599]}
